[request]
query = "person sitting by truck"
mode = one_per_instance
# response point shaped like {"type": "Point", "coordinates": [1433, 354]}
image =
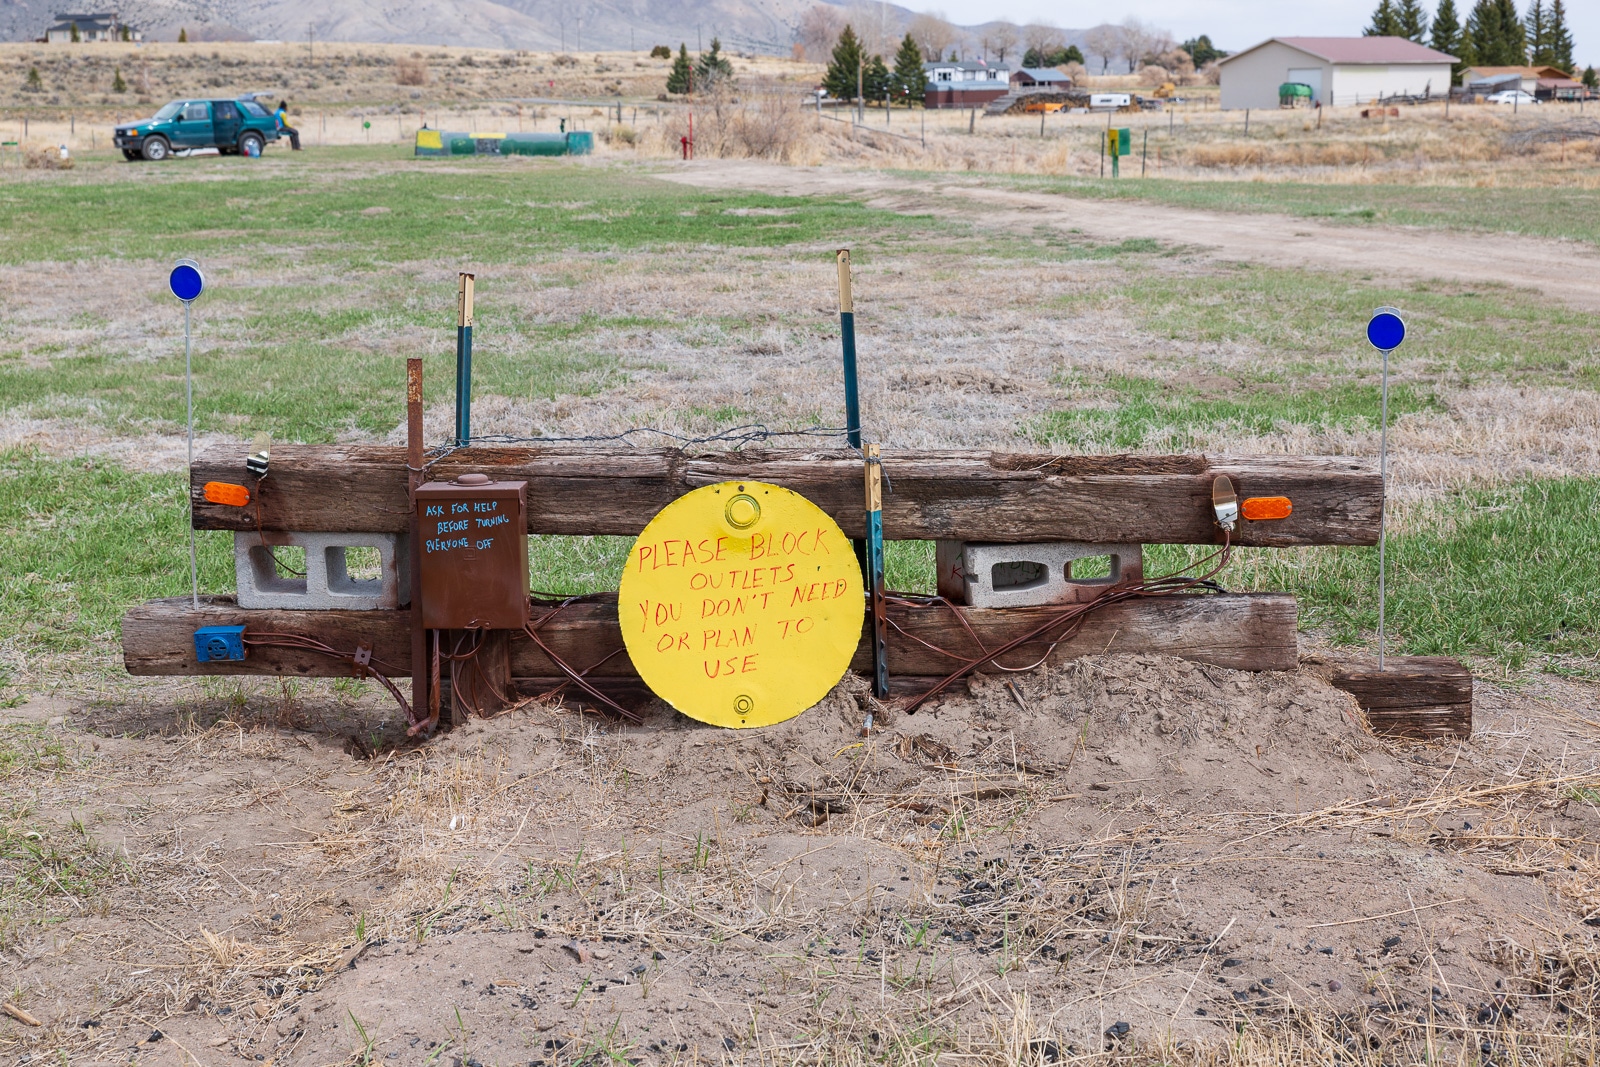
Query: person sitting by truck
{"type": "Point", "coordinates": [281, 117]}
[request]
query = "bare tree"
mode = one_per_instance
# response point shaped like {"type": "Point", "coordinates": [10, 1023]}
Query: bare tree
{"type": "Point", "coordinates": [1003, 39]}
{"type": "Point", "coordinates": [934, 35]}
{"type": "Point", "coordinates": [818, 31]}
{"type": "Point", "coordinates": [873, 26]}
{"type": "Point", "coordinates": [1105, 41]}
{"type": "Point", "coordinates": [1135, 41]}
{"type": "Point", "coordinates": [1041, 37]}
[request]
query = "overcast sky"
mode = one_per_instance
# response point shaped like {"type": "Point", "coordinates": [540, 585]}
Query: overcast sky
{"type": "Point", "coordinates": [1234, 24]}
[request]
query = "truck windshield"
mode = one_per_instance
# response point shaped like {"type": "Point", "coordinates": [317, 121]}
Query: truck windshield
{"type": "Point", "coordinates": [169, 111]}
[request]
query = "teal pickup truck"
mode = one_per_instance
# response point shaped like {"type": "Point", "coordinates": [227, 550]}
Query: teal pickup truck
{"type": "Point", "coordinates": [229, 126]}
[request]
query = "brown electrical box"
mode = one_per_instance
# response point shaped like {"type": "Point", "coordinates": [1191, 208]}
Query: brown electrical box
{"type": "Point", "coordinates": [474, 535]}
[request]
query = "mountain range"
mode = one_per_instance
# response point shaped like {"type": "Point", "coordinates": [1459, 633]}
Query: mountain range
{"type": "Point", "coordinates": [765, 26]}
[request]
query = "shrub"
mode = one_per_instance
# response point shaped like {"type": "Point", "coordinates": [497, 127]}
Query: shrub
{"type": "Point", "coordinates": [117, 84]}
{"type": "Point", "coordinates": [410, 71]}
{"type": "Point", "coordinates": [660, 51]}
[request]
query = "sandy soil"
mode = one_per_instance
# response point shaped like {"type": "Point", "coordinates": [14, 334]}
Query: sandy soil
{"type": "Point", "coordinates": [1567, 271]}
{"type": "Point", "coordinates": [1121, 853]}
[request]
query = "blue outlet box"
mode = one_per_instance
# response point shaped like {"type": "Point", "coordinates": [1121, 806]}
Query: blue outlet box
{"type": "Point", "coordinates": [218, 643]}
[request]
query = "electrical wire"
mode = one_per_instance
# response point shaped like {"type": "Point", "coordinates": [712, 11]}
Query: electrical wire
{"type": "Point", "coordinates": [1070, 619]}
{"type": "Point", "coordinates": [302, 643]}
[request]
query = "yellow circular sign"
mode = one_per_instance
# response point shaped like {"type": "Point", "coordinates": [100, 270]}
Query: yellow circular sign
{"type": "Point", "coordinates": [741, 604]}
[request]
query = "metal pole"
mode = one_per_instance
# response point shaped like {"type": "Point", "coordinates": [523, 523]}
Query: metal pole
{"type": "Point", "coordinates": [188, 379]}
{"type": "Point", "coordinates": [419, 637]}
{"type": "Point", "coordinates": [1103, 139]}
{"type": "Point", "coordinates": [847, 332]}
{"type": "Point", "coordinates": [1383, 505]}
{"type": "Point", "coordinates": [464, 360]}
{"type": "Point", "coordinates": [878, 610]}
{"type": "Point", "coordinates": [852, 396]}
{"type": "Point", "coordinates": [1144, 152]}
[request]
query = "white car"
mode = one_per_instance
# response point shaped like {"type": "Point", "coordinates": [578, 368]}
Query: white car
{"type": "Point", "coordinates": [1511, 96]}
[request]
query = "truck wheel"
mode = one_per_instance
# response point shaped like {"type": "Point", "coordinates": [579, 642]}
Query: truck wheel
{"type": "Point", "coordinates": [251, 144]}
{"type": "Point", "coordinates": [129, 154]}
{"type": "Point", "coordinates": [156, 149]}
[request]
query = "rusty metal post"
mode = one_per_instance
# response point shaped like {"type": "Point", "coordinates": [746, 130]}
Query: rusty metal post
{"type": "Point", "coordinates": [419, 642]}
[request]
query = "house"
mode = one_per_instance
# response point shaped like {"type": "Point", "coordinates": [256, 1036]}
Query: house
{"type": "Point", "coordinates": [100, 26]}
{"type": "Point", "coordinates": [1525, 78]}
{"type": "Point", "coordinates": [1340, 70]}
{"type": "Point", "coordinates": [1040, 78]}
{"type": "Point", "coordinates": [1560, 89]}
{"type": "Point", "coordinates": [961, 85]}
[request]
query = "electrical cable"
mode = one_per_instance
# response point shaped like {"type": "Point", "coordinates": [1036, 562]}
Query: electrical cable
{"type": "Point", "coordinates": [302, 643]}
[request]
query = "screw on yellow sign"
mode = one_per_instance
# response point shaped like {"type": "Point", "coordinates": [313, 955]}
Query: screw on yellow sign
{"type": "Point", "coordinates": [741, 604]}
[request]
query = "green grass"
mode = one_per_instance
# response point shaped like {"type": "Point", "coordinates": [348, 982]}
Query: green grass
{"type": "Point", "coordinates": [1511, 575]}
{"type": "Point", "coordinates": [1144, 413]}
{"type": "Point", "coordinates": [1540, 212]}
{"type": "Point", "coordinates": [495, 211]}
{"type": "Point", "coordinates": [85, 540]}
{"type": "Point", "coordinates": [315, 361]}
{"type": "Point", "coordinates": [1314, 324]}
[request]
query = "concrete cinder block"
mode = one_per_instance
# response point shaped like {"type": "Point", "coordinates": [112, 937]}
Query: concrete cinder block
{"type": "Point", "coordinates": [1007, 576]}
{"type": "Point", "coordinates": [327, 583]}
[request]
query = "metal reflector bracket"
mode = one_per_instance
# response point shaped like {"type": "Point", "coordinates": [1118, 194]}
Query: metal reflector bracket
{"type": "Point", "coordinates": [1225, 502]}
{"type": "Point", "coordinates": [234, 496]}
{"type": "Point", "coordinates": [1265, 508]}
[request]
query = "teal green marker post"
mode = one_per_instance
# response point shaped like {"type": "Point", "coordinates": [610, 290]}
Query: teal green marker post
{"type": "Point", "coordinates": [852, 395]}
{"type": "Point", "coordinates": [464, 361]}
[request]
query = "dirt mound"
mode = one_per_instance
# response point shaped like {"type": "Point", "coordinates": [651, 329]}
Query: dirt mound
{"type": "Point", "coordinates": [1202, 737]}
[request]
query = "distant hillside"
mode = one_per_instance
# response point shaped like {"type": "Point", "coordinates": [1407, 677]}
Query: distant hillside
{"type": "Point", "coordinates": [748, 25]}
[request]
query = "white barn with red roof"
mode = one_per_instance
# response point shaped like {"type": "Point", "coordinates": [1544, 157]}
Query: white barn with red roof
{"type": "Point", "coordinates": [1341, 71]}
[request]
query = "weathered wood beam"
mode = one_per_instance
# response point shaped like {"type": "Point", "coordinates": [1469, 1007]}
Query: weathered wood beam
{"type": "Point", "coordinates": [963, 496]}
{"type": "Point", "coordinates": [1241, 631]}
{"type": "Point", "coordinates": [1421, 697]}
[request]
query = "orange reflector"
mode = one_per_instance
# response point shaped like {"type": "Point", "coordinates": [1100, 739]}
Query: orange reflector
{"type": "Point", "coordinates": [227, 493]}
{"type": "Point", "coordinates": [1258, 508]}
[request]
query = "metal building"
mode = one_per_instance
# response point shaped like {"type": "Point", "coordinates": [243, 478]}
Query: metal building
{"type": "Point", "coordinates": [1341, 71]}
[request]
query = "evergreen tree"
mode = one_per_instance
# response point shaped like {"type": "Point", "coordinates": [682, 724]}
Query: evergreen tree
{"type": "Point", "coordinates": [1559, 37]}
{"type": "Point", "coordinates": [1494, 30]}
{"type": "Point", "coordinates": [75, 37]}
{"type": "Point", "coordinates": [183, 35]}
{"type": "Point", "coordinates": [1536, 27]}
{"type": "Point", "coordinates": [1385, 21]}
{"type": "Point", "coordinates": [1412, 20]}
{"type": "Point", "coordinates": [910, 80]}
{"type": "Point", "coordinates": [34, 84]}
{"type": "Point", "coordinates": [680, 79]}
{"type": "Point", "coordinates": [1200, 49]}
{"type": "Point", "coordinates": [117, 84]}
{"type": "Point", "coordinates": [876, 81]}
{"type": "Point", "coordinates": [1052, 57]}
{"type": "Point", "coordinates": [1591, 78]}
{"type": "Point", "coordinates": [1447, 35]}
{"type": "Point", "coordinates": [840, 80]}
{"type": "Point", "coordinates": [712, 67]}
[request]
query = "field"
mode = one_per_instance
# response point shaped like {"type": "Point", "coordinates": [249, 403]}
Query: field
{"type": "Point", "coordinates": [1131, 859]}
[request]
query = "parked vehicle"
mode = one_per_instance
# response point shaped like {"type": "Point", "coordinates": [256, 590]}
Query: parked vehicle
{"type": "Point", "coordinates": [230, 126]}
{"type": "Point", "coordinates": [1512, 96]}
{"type": "Point", "coordinates": [1109, 101]}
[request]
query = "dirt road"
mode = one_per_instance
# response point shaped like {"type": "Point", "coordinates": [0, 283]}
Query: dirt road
{"type": "Point", "coordinates": [1560, 270]}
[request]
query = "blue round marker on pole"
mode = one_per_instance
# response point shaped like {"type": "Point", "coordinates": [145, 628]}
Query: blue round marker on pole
{"type": "Point", "coordinates": [185, 281]}
{"type": "Point", "coordinates": [1386, 330]}
{"type": "Point", "coordinates": [187, 284]}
